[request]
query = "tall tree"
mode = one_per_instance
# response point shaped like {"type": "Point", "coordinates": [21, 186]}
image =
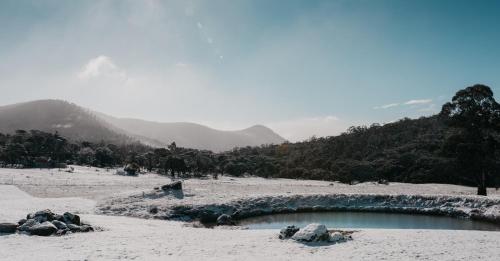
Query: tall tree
{"type": "Point", "coordinates": [475, 115]}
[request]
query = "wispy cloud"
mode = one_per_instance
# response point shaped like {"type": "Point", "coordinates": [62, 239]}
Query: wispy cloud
{"type": "Point", "coordinates": [413, 102]}
{"type": "Point", "coordinates": [386, 106]}
{"type": "Point", "coordinates": [410, 102]}
{"type": "Point", "coordinates": [101, 66]}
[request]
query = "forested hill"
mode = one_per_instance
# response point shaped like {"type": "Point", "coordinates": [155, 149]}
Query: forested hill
{"type": "Point", "coordinates": [69, 120]}
{"type": "Point", "coordinates": [461, 145]}
{"type": "Point", "coordinates": [407, 151]}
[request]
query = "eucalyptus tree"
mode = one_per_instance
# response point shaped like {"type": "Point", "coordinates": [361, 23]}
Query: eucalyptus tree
{"type": "Point", "coordinates": [475, 116]}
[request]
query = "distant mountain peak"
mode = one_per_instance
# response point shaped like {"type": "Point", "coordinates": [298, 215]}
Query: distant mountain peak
{"type": "Point", "coordinates": [78, 123]}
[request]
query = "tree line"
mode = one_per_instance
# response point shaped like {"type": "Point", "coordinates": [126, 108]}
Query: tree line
{"type": "Point", "coordinates": [460, 145]}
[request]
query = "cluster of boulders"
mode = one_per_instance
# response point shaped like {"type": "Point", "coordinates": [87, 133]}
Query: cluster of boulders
{"type": "Point", "coordinates": [314, 233]}
{"type": "Point", "coordinates": [47, 223]}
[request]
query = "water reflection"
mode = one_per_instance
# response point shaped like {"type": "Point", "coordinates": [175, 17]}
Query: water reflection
{"type": "Point", "coordinates": [366, 220]}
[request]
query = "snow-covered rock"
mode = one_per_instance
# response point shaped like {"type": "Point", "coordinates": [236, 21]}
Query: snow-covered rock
{"type": "Point", "coordinates": [225, 220]}
{"type": "Point", "coordinates": [288, 232]}
{"type": "Point", "coordinates": [42, 216]}
{"type": "Point", "coordinates": [337, 237]}
{"type": "Point", "coordinates": [312, 233]}
{"type": "Point", "coordinates": [70, 218]}
{"type": "Point", "coordinates": [44, 229]}
{"type": "Point", "coordinates": [74, 228]}
{"type": "Point", "coordinates": [121, 172]}
{"type": "Point", "coordinates": [59, 224]}
{"type": "Point", "coordinates": [26, 226]}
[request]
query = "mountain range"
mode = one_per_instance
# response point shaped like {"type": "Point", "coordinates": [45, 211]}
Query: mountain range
{"type": "Point", "coordinates": [81, 124]}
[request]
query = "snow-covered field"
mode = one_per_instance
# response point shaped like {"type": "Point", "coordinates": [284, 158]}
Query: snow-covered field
{"type": "Point", "coordinates": [23, 191]}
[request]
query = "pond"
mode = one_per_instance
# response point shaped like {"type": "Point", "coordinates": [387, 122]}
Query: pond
{"type": "Point", "coordinates": [366, 220]}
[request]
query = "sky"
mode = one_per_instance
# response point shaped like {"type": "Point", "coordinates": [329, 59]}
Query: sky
{"type": "Point", "coordinates": [302, 68]}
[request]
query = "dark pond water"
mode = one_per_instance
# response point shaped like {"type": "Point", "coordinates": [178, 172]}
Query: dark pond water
{"type": "Point", "coordinates": [366, 220]}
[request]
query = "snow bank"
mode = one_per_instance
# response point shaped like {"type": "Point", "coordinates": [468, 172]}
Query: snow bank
{"type": "Point", "coordinates": [126, 238]}
{"type": "Point", "coordinates": [14, 204]}
{"type": "Point", "coordinates": [474, 207]}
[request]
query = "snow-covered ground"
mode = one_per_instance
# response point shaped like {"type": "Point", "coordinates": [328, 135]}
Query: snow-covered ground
{"type": "Point", "coordinates": [23, 191]}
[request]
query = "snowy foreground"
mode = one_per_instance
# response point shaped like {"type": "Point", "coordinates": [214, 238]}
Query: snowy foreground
{"type": "Point", "coordinates": [87, 191]}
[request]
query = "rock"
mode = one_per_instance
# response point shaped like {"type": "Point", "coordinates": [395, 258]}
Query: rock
{"type": "Point", "coordinates": [62, 232]}
{"type": "Point", "coordinates": [225, 220]}
{"type": "Point", "coordinates": [74, 228]}
{"type": "Point", "coordinates": [21, 222]}
{"type": "Point", "coordinates": [207, 217]}
{"type": "Point", "coordinates": [86, 228]}
{"type": "Point", "coordinates": [312, 233]}
{"type": "Point", "coordinates": [60, 225]}
{"type": "Point", "coordinates": [383, 182]}
{"type": "Point", "coordinates": [42, 215]}
{"type": "Point", "coordinates": [177, 185]}
{"type": "Point", "coordinates": [8, 228]}
{"type": "Point", "coordinates": [132, 169]}
{"type": "Point", "coordinates": [120, 172]}
{"type": "Point", "coordinates": [58, 217]}
{"type": "Point", "coordinates": [71, 218]}
{"type": "Point", "coordinates": [28, 224]}
{"type": "Point", "coordinates": [44, 229]}
{"type": "Point", "coordinates": [153, 210]}
{"type": "Point", "coordinates": [82, 228]}
{"type": "Point", "coordinates": [354, 182]}
{"type": "Point", "coordinates": [338, 237]}
{"type": "Point", "coordinates": [288, 232]}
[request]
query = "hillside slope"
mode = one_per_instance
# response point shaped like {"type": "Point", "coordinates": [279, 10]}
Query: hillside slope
{"type": "Point", "coordinates": [69, 120]}
{"type": "Point", "coordinates": [192, 135]}
{"type": "Point", "coordinates": [77, 123]}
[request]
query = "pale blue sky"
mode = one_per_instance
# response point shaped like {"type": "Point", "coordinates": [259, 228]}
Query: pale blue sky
{"type": "Point", "coordinates": [302, 67]}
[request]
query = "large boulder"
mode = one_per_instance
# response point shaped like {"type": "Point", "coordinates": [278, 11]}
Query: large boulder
{"type": "Point", "coordinates": [59, 224]}
{"type": "Point", "coordinates": [177, 185]}
{"type": "Point", "coordinates": [70, 218]}
{"type": "Point", "coordinates": [42, 216]}
{"type": "Point", "coordinates": [225, 220]}
{"type": "Point", "coordinates": [8, 228]}
{"type": "Point", "coordinates": [44, 229]}
{"type": "Point", "coordinates": [28, 224]}
{"type": "Point", "coordinates": [312, 233]}
{"type": "Point", "coordinates": [288, 232]}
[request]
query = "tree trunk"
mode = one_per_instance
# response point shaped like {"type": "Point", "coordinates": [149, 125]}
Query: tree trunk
{"type": "Point", "coordinates": [481, 188]}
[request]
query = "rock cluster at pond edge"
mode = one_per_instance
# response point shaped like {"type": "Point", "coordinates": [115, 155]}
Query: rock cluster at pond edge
{"type": "Point", "coordinates": [47, 223]}
{"type": "Point", "coordinates": [313, 233]}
